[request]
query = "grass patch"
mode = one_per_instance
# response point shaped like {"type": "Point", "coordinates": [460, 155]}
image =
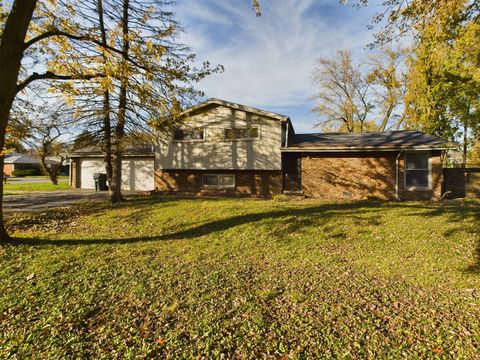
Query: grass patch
{"type": "Point", "coordinates": [171, 277]}
{"type": "Point", "coordinates": [12, 188]}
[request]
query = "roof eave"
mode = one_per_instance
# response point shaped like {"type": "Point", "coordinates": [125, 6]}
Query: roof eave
{"type": "Point", "coordinates": [233, 105]}
{"type": "Point", "coordinates": [362, 149]}
{"type": "Point", "coordinates": [97, 155]}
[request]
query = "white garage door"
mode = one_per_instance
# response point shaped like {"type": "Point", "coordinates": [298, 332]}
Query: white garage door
{"type": "Point", "coordinates": [87, 168]}
{"type": "Point", "coordinates": [137, 173]}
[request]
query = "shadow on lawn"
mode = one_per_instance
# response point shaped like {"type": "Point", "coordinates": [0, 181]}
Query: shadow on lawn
{"type": "Point", "coordinates": [293, 219]}
{"type": "Point", "coordinates": [306, 216]}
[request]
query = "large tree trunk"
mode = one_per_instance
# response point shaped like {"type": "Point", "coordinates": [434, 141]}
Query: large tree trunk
{"type": "Point", "coordinates": [107, 127]}
{"type": "Point", "coordinates": [116, 193]}
{"type": "Point", "coordinates": [11, 54]}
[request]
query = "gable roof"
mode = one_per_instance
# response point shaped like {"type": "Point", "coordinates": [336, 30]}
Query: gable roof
{"type": "Point", "coordinates": [232, 105]}
{"type": "Point", "coordinates": [381, 141]}
{"type": "Point", "coordinates": [17, 158]}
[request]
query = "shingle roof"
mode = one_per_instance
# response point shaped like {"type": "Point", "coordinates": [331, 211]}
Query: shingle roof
{"type": "Point", "coordinates": [17, 158]}
{"type": "Point", "coordinates": [387, 140]}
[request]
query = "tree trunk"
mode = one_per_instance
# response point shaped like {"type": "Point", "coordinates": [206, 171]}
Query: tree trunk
{"type": "Point", "coordinates": [465, 145]}
{"type": "Point", "coordinates": [12, 47]}
{"type": "Point", "coordinates": [116, 193]}
{"type": "Point", "coordinates": [51, 171]}
{"type": "Point", "coordinates": [107, 126]}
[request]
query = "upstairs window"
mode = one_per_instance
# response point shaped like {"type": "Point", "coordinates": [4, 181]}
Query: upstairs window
{"type": "Point", "coordinates": [189, 135]}
{"type": "Point", "coordinates": [417, 170]}
{"type": "Point", "coordinates": [241, 134]}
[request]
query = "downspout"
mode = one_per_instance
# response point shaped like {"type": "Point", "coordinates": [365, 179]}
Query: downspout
{"type": "Point", "coordinates": [397, 174]}
{"type": "Point", "coordinates": [282, 156]}
{"type": "Point", "coordinates": [287, 128]}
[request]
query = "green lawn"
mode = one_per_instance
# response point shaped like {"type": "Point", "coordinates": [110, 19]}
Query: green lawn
{"type": "Point", "coordinates": [13, 187]}
{"type": "Point", "coordinates": [166, 277]}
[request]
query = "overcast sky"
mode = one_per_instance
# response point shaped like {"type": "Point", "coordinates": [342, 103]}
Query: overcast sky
{"type": "Point", "coordinates": [268, 60]}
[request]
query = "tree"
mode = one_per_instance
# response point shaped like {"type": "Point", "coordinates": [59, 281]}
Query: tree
{"type": "Point", "coordinates": [400, 18]}
{"type": "Point", "coordinates": [443, 79]}
{"type": "Point", "coordinates": [144, 85]}
{"type": "Point", "coordinates": [342, 97]}
{"type": "Point", "coordinates": [16, 22]}
{"type": "Point", "coordinates": [49, 123]}
{"type": "Point", "coordinates": [13, 47]}
{"type": "Point", "coordinates": [387, 81]}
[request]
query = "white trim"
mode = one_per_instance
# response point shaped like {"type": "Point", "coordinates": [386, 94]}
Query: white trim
{"type": "Point", "coordinates": [417, 188]}
{"type": "Point", "coordinates": [397, 175]}
{"type": "Point", "coordinates": [70, 172]}
{"type": "Point", "coordinates": [218, 186]}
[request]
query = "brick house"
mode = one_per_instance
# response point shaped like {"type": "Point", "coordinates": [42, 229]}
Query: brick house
{"type": "Point", "coordinates": [225, 148]}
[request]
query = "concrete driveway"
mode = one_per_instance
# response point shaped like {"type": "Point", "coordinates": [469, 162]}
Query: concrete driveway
{"type": "Point", "coordinates": [25, 180]}
{"type": "Point", "coordinates": [44, 200]}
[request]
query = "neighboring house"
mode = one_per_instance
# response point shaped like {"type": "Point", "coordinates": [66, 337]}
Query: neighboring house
{"type": "Point", "coordinates": [55, 160]}
{"type": "Point", "coordinates": [17, 161]}
{"type": "Point", "coordinates": [137, 168]}
{"type": "Point", "coordinates": [224, 148]}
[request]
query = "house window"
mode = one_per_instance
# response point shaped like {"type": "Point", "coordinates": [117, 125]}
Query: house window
{"type": "Point", "coordinates": [241, 134]}
{"type": "Point", "coordinates": [189, 134]}
{"type": "Point", "coordinates": [417, 170]}
{"type": "Point", "coordinates": [218, 180]}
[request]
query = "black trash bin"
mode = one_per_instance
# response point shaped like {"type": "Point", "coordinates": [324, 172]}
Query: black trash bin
{"type": "Point", "coordinates": [100, 181]}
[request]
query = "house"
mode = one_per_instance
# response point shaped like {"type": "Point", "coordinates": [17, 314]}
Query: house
{"type": "Point", "coordinates": [231, 149]}
{"type": "Point", "coordinates": [137, 167]}
{"type": "Point", "coordinates": [16, 161]}
{"type": "Point", "coordinates": [228, 149]}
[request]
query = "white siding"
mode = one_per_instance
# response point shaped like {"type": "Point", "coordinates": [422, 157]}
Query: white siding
{"type": "Point", "coordinates": [215, 152]}
{"type": "Point", "coordinates": [137, 173]}
{"type": "Point", "coordinates": [87, 168]}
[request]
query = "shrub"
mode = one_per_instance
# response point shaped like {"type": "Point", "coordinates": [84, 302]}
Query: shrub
{"type": "Point", "coordinates": [25, 172]}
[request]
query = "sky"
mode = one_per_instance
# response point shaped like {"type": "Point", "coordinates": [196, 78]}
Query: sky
{"type": "Point", "coordinates": [269, 59]}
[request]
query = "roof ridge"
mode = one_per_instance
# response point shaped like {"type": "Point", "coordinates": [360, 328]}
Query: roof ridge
{"type": "Point", "coordinates": [232, 104]}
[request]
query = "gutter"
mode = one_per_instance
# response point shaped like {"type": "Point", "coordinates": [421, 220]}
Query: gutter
{"type": "Point", "coordinates": [397, 174]}
{"type": "Point", "coordinates": [287, 128]}
{"type": "Point", "coordinates": [351, 149]}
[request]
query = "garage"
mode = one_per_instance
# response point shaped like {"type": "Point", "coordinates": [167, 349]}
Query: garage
{"type": "Point", "coordinates": [137, 172]}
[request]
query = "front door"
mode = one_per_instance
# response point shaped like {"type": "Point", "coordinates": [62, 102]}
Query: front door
{"type": "Point", "coordinates": [292, 173]}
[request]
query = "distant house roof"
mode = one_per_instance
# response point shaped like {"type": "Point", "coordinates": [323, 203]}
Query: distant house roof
{"type": "Point", "coordinates": [357, 141]}
{"type": "Point", "coordinates": [17, 158]}
{"type": "Point", "coordinates": [236, 106]}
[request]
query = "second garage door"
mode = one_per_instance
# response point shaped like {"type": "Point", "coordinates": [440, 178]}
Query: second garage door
{"type": "Point", "coordinates": [137, 173]}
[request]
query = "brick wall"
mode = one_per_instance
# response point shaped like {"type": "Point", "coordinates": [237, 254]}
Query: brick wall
{"type": "Point", "coordinates": [333, 176]}
{"type": "Point", "coordinates": [362, 175]}
{"type": "Point", "coordinates": [7, 169]}
{"type": "Point", "coordinates": [461, 182]}
{"type": "Point", "coordinates": [74, 171]}
{"type": "Point", "coordinates": [257, 183]}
